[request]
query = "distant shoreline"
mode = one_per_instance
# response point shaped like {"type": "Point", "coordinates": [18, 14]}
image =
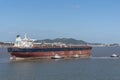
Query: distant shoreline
{"type": "Point", "coordinates": [67, 41]}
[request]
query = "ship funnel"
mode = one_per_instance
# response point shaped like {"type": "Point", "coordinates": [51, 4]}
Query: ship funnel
{"type": "Point", "coordinates": [17, 41]}
{"type": "Point", "coordinates": [17, 36]}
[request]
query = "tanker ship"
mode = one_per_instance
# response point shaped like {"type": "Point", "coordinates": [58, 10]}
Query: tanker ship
{"type": "Point", "coordinates": [27, 49]}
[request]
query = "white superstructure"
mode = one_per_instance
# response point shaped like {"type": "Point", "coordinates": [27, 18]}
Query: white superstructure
{"type": "Point", "coordinates": [26, 42]}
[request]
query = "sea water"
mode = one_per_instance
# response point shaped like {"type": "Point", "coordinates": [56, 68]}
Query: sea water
{"type": "Point", "coordinates": [100, 66]}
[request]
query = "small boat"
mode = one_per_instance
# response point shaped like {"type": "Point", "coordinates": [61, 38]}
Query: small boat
{"type": "Point", "coordinates": [76, 56]}
{"type": "Point", "coordinates": [114, 55]}
{"type": "Point", "coordinates": [56, 57]}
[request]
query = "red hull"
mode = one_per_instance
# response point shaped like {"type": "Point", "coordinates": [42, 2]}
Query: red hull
{"type": "Point", "coordinates": [50, 54]}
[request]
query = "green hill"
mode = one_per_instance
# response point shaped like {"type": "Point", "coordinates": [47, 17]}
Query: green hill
{"type": "Point", "coordinates": [63, 40]}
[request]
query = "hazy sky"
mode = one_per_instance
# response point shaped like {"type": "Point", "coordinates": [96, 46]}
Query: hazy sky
{"type": "Point", "coordinates": [88, 20]}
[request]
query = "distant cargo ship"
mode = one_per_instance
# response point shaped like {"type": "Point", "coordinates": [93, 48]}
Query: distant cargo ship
{"type": "Point", "coordinates": [26, 49]}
